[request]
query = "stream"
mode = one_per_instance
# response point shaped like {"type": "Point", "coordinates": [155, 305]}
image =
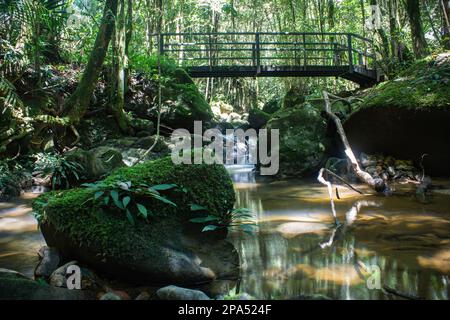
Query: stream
{"type": "Point", "coordinates": [297, 251]}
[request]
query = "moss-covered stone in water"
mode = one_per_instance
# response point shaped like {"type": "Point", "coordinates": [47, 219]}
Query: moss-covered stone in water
{"type": "Point", "coordinates": [73, 214]}
{"type": "Point", "coordinates": [302, 138]}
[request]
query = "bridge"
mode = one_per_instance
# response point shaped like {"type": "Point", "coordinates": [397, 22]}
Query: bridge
{"type": "Point", "coordinates": [269, 54]}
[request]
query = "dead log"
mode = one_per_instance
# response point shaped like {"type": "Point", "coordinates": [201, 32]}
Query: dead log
{"type": "Point", "coordinates": [376, 184]}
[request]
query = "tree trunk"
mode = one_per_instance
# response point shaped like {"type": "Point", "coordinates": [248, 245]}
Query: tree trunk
{"type": "Point", "coordinates": [118, 69]}
{"type": "Point", "coordinates": [417, 35]}
{"type": "Point", "coordinates": [76, 105]}
{"type": "Point", "coordinates": [445, 5]}
{"type": "Point", "coordinates": [375, 183]}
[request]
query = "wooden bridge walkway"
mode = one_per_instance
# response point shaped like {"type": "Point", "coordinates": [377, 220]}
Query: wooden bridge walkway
{"type": "Point", "coordinates": [265, 54]}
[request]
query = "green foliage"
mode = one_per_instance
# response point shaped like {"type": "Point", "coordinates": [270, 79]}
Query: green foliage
{"type": "Point", "coordinates": [240, 219]}
{"type": "Point", "coordinates": [302, 138]}
{"type": "Point", "coordinates": [125, 197]}
{"type": "Point", "coordinates": [9, 99]}
{"type": "Point", "coordinates": [12, 174]}
{"type": "Point", "coordinates": [63, 173]}
{"type": "Point", "coordinates": [42, 21]}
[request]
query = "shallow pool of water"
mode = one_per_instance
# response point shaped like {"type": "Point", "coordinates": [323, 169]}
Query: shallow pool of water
{"type": "Point", "coordinates": [20, 238]}
{"type": "Point", "coordinates": [299, 252]}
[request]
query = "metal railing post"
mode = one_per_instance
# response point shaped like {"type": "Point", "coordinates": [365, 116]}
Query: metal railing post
{"type": "Point", "coordinates": [350, 52]}
{"type": "Point", "coordinates": [161, 44]}
{"type": "Point", "coordinates": [258, 55]}
{"type": "Point", "coordinates": [305, 58]}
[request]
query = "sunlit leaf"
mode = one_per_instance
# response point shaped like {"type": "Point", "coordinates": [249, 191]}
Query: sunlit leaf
{"type": "Point", "coordinates": [162, 187]}
{"type": "Point", "coordinates": [126, 200]}
{"type": "Point", "coordinates": [142, 209]}
{"type": "Point", "coordinates": [210, 228]}
{"type": "Point", "coordinates": [197, 207]}
{"type": "Point", "coordinates": [204, 219]}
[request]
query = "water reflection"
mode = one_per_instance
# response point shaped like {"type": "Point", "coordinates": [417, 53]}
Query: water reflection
{"type": "Point", "coordinates": [298, 252]}
{"type": "Point", "coordinates": [20, 238]}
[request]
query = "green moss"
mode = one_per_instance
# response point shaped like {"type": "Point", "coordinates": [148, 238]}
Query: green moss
{"type": "Point", "coordinates": [302, 138]}
{"type": "Point", "coordinates": [292, 98]}
{"type": "Point", "coordinates": [73, 213]}
{"type": "Point", "coordinates": [424, 86]}
{"type": "Point", "coordinates": [183, 101]}
{"type": "Point", "coordinates": [257, 118]}
{"type": "Point", "coordinates": [272, 105]}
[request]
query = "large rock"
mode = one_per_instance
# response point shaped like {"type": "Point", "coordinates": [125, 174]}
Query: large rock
{"type": "Point", "coordinates": [182, 101]}
{"type": "Point", "coordinates": [407, 117]}
{"type": "Point", "coordinates": [257, 118]}
{"type": "Point", "coordinates": [166, 249]}
{"type": "Point", "coordinates": [48, 263]}
{"type": "Point", "coordinates": [272, 105]}
{"type": "Point", "coordinates": [302, 138]}
{"type": "Point", "coordinates": [15, 286]}
{"type": "Point", "coordinates": [178, 293]}
{"type": "Point", "coordinates": [96, 162]}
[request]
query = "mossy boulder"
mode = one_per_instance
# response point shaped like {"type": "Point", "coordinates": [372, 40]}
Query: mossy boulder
{"type": "Point", "coordinates": [167, 248]}
{"type": "Point", "coordinates": [272, 106]}
{"type": "Point", "coordinates": [408, 116]}
{"type": "Point", "coordinates": [294, 97]}
{"type": "Point", "coordinates": [302, 139]}
{"type": "Point", "coordinates": [257, 118]}
{"type": "Point", "coordinates": [96, 162]}
{"type": "Point", "coordinates": [182, 102]}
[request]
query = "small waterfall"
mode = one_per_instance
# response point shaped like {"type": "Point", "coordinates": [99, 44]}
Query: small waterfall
{"type": "Point", "coordinates": [242, 167]}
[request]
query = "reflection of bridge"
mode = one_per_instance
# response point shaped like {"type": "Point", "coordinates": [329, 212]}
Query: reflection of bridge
{"type": "Point", "coordinates": [264, 54]}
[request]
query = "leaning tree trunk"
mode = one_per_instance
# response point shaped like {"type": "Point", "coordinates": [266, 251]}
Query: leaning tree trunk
{"type": "Point", "coordinates": [375, 183]}
{"type": "Point", "coordinates": [417, 35]}
{"type": "Point", "coordinates": [76, 105]}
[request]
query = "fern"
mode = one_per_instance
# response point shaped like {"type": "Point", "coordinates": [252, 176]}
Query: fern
{"type": "Point", "coordinates": [9, 99]}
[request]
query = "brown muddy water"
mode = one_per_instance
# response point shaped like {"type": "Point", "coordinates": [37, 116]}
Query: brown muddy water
{"type": "Point", "coordinates": [297, 251]}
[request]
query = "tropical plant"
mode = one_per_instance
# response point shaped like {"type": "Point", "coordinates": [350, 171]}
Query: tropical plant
{"type": "Point", "coordinates": [63, 173]}
{"type": "Point", "coordinates": [239, 219]}
{"type": "Point", "coordinates": [12, 176]}
{"type": "Point", "coordinates": [128, 198]}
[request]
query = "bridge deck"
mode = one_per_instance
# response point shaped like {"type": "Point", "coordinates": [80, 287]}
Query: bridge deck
{"type": "Point", "coordinates": [273, 55]}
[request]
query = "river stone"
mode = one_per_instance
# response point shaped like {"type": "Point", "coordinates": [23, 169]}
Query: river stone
{"type": "Point", "coordinates": [110, 296]}
{"type": "Point", "coordinates": [49, 262]}
{"type": "Point", "coordinates": [178, 293]}
{"type": "Point", "coordinates": [15, 286]}
{"type": "Point", "coordinates": [59, 276]}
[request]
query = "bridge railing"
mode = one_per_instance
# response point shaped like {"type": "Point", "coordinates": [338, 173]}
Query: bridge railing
{"type": "Point", "coordinates": [268, 49]}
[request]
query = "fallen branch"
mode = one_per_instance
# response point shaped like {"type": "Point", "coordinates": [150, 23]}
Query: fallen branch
{"type": "Point", "coordinates": [347, 184]}
{"type": "Point", "coordinates": [375, 183]}
{"type": "Point", "coordinates": [330, 193]}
